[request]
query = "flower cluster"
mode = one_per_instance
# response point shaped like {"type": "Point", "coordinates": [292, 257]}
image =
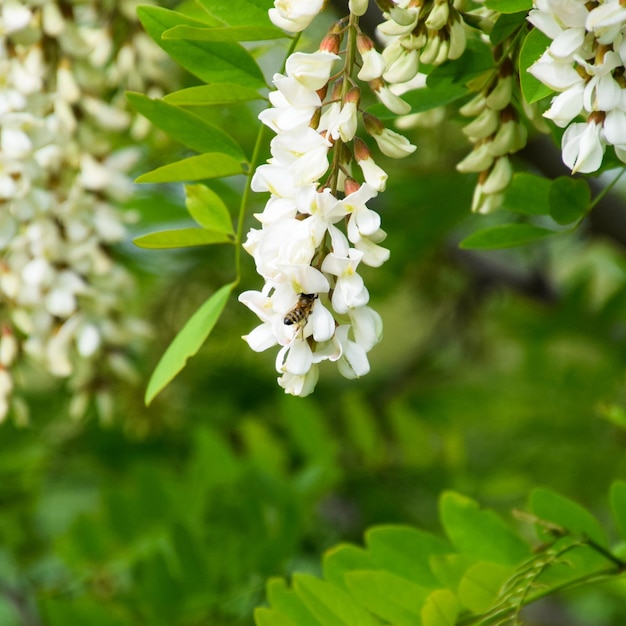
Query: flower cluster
{"type": "Point", "coordinates": [430, 32]}
{"type": "Point", "coordinates": [62, 294]}
{"type": "Point", "coordinates": [585, 63]}
{"type": "Point", "coordinates": [496, 132]}
{"type": "Point", "coordinates": [314, 303]}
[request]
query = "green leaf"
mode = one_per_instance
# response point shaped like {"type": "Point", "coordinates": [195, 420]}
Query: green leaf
{"type": "Point", "coordinates": [481, 585]}
{"type": "Point", "coordinates": [231, 33]}
{"type": "Point", "coordinates": [189, 129]}
{"type": "Point", "coordinates": [199, 167]}
{"type": "Point", "coordinates": [188, 341]}
{"type": "Point", "coordinates": [181, 238]}
{"type": "Point", "coordinates": [392, 598]}
{"type": "Point", "coordinates": [505, 236]}
{"type": "Point", "coordinates": [569, 199]}
{"type": "Point", "coordinates": [270, 617]}
{"type": "Point", "coordinates": [406, 551]}
{"type": "Point", "coordinates": [478, 533]}
{"type": "Point", "coordinates": [239, 12]}
{"type": "Point", "coordinates": [217, 93]}
{"type": "Point", "coordinates": [557, 509]}
{"type": "Point", "coordinates": [213, 62]}
{"type": "Point", "coordinates": [450, 568]}
{"type": "Point", "coordinates": [533, 47]}
{"type": "Point", "coordinates": [618, 506]}
{"type": "Point", "coordinates": [506, 25]}
{"type": "Point", "coordinates": [288, 603]}
{"type": "Point", "coordinates": [330, 604]}
{"type": "Point", "coordinates": [509, 6]}
{"type": "Point", "coordinates": [208, 209]}
{"type": "Point", "coordinates": [528, 194]}
{"type": "Point", "coordinates": [344, 558]}
{"type": "Point", "coordinates": [440, 609]}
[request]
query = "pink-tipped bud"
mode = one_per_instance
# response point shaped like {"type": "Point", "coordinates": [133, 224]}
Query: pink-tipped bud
{"type": "Point", "coordinates": [353, 95]}
{"type": "Point", "coordinates": [350, 186]}
{"type": "Point", "coordinates": [364, 43]}
{"type": "Point", "coordinates": [373, 125]}
{"type": "Point", "coordinates": [361, 151]}
{"type": "Point", "coordinates": [331, 43]}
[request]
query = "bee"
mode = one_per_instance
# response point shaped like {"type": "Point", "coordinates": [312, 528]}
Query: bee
{"type": "Point", "coordinates": [300, 313]}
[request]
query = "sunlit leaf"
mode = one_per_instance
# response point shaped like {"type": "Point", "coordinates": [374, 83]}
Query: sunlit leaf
{"type": "Point", "coordinates": [188, 341]}
{"type": "Point", "coordinates": [208, 209]}
{"type": "Point", "coordinates": [331, 605]}
{"type": "Point", "coordinates": [479, 533]}
{"type": "Point", "coordinates": [481, 585]}
{"type": "Point", "coordinates": [440, 609]}
{"type": "Point", "coordinates": [390, 597]}
{"type": "Point", "coordinates": [232, 33]}
{"type": "Point", "coordinates": [239, 12]}
{"type": "Point", "coordinates": [406, 551]}
{"type": "Point", "coordinates": [189, 129]}
{"type": "Point", "coordinates": [213, 62]}
{"type": "Point", "coordinates": [344, 558]}
{"type": "Point", "coordinates": [557, 509]}
{"type": "Point", "coordinates": [199, 167]}
{"type": "Point", "coordinates": [181, 238]}
{"type": "Point", "coordinates": [217, 93]}
{"type": "Point", "coordinates": [535, 44]}
{"type": "Point", "coordinates": [508, 6]}
{"type": "Point", "coordinates": [288, 603]}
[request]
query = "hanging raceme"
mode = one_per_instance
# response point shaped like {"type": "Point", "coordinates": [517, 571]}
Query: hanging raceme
{"type": "Point", "coordinates": [316, 227]}
{"type": "Point", "coordinates": [585, 63]}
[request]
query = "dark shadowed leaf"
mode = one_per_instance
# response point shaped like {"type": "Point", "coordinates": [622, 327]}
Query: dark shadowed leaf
{"type": "Point", "coordinates": [188, 341]}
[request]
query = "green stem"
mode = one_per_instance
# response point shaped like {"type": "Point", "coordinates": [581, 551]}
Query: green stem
{"type": "Point", "coordinates": [338, 148]}
{"type": "Point", "coordinates": [606, 190]}
{"type": "Point", "coordinates": [254, 161]}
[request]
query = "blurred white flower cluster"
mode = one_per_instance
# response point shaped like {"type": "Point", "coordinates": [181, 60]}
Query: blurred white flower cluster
{"type": "Point", "coordinates": [430, 32]}
{"type": "Point", "coordinates": [314, 303]}
{"type": "Point", "coordinates": [585, 63]}
{"type": "Point", "coordinates": [63, 69]}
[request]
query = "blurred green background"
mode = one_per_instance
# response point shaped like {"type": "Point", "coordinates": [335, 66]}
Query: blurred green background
{"type": "Point", "coordinates": [498, 372]}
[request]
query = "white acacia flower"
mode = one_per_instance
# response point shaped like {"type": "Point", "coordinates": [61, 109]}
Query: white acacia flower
{"type": "Point", "coordinates": [311, 70]}
{"type": "Point", "coordinates": [583, 147]}
{"type": "Point", "coordinates": [295, 15]}
{"type": "Point", "coordinates": [393, 144]}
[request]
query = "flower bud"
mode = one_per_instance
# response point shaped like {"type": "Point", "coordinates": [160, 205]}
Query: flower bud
{"type": "Point", "coordinates": [394, 103]}
{"type": "Point", "coordinates": [393, 144]}
{"type": "Point", "coordinates": [479, 159]}
{"type": "Point", "coordinates": [358, 7]}
{"type": "Point", "coordinates": [331, 43]}
{"type": "Point", "coordinates": [484, 125]}
{"type": "Point", "coordinates": [401, 64]}
{"type": "Point", "coordinates": [350, 186]}
{"type": "Point", "coordinates": [373, 61]}
{"type": "Point", "coordinates": [431, 50]}
{"type": "Point", "coordinates": [438, 16]}
{"type": "Point", "coordinates": [373, 126]}
{"type": "Point", "coordinates": [458, 39]}
{"type": "Point", "coordinates": [499, 177]}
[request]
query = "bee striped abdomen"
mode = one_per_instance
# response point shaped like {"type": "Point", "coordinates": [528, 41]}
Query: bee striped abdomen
{"type": "Point", "coordinates": [302, 310]}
